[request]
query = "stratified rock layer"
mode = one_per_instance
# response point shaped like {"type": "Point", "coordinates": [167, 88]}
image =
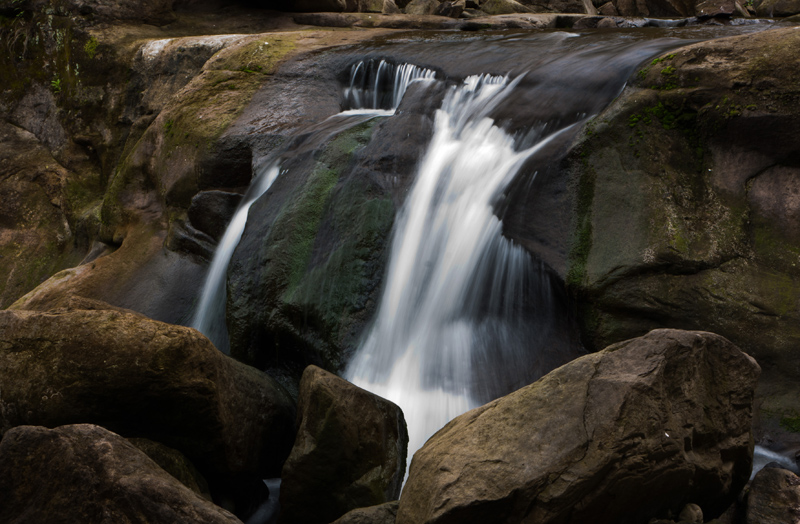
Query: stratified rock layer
{"type": "Point", "coordinates": [142, 378]}
{"type": "Point", "coordinates": [350, 451]}
{"type": "Point", "coordinates": [84, 473]}
{"type": "Point", "coordinates": [620, 436]}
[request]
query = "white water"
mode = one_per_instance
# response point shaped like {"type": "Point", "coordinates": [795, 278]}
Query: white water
{"type": "Point", "coordinates": [455, 287]}
{"type": "Point", "coordinates": [763, 456]}
{"type": "Point", "coordinates": [209, 318]}
{"type": "Point", "coordinates": [369, 84]}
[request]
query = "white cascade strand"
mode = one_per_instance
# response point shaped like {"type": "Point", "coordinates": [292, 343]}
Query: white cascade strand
{"type": "Point", "coordinates": [369, 84]}
{"type": "Point", "coordinates": [209, 317]}
{"type": "Point", "coordinates": [447, 248]}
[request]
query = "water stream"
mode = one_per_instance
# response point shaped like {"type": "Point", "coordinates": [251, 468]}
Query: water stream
{"type": "Point", "coordinates": [434, 322]}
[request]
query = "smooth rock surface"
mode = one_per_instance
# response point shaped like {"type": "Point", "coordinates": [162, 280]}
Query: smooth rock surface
{"type": "Point", "coordinates": [143, 378]}
{"type": "Point", "coordinates": [85, 473]}
{"type": "Point", "coordinates": [774, 497]}
{"type": "Point", "coordinates": [620, 436]}
{"type": "Point", "coordinates": [175, 463]}
{"type": "Point", "coordinates": [350, 451]}
{"type": "Point", "coordinates": [381, 514]}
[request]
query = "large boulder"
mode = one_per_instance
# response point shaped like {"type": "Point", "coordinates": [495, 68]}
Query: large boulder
{"type": "Point", "coordinates": [380, 514]}
{"type": "Point", "coordinates": [350, 451]}
{"type": "Point", "coordinates": [175, 463]}
{"type": "Point", "coordinates": [143, 378]}
{"type": "Point", "coordinates": [778, 8]}
{"type": "Point", "coordinates": [84, 473]}
{"type": "Point", "coordinates": [655, 8]}
{"type": "Point", "coordinates": [774, 497]}
{"type": "Point", "coordinates": [686, 207]}
{"type": "Point", "coordinates": [633, 432]}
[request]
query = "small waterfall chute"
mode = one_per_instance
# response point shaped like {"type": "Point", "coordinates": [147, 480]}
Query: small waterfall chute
{"type": "Point", "coordinates": [209, 317]}
{"type": "Point", "coordinates": [378, 84]}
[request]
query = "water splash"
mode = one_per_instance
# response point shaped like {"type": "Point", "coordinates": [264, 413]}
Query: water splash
{"type": "Point", "coordinates": [456, 292]}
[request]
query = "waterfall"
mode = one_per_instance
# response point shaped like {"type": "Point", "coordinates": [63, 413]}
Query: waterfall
{"type": "Point", "coordinates": [209, 317]}
{"type": "Point", "coordinates": [370, 84]}
{"type": "Point", "coordinates": [457, 293]}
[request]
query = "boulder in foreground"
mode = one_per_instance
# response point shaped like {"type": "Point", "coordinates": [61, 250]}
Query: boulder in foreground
{"type": "Point", "coordinates": [350, 451]}
{"type": "Point", "coordinates": [774, 497]}
{"type": "Point", "coordinates": [84, 473]}
{"type": "Point", "coordinates": [142, 378]}
{"type": "Point", "coordinates": [633, 432]}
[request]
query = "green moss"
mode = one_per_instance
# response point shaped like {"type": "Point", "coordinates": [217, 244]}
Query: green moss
{"type": "Point", "coordinates": [90, 47]}
{"type": "Point", "coordinates": [657, 61]}
{"type": "Point", "coordinates": [299, 221]}
{"type": "Point", "coordinates": [582, 240]}
{"type": "Point", "coordinates": [791, 424]}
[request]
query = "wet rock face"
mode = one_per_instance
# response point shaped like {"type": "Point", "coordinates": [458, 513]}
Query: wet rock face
{"type": "Point", "coordinates": [210, 211]}
{"type": "Point", "coordinates": [35, 234]}
{"type": "Point", "coordinates": [84, 473]}
{"type": "Point", "coordinates": [143, 378]}
{"type": "Point", "coordinates": [306, 274]}
{"type": "Point", "coordinates": [620, 436]}
{"type": "Point", "coordinates": [350, 451]}
{"type": "Point", "coordinates": [686, 211]}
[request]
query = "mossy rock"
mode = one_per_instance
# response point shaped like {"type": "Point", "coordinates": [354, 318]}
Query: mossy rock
{"type": "Point", "coordinates": [685, 210]}
{"type": "Point", "coordinates": [307, 268]}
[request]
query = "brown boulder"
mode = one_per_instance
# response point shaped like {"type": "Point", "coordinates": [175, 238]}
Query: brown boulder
{"type": "Point", "coordinates": [774, 497]}
{"type": "Point", "coordinates": [688, 210]}
{"type": "Point", "coordinates": [635, 431]}
{"type": "Point", "coordinates": [381, 514]}
{"type": "Point", "coordinates": [778, 8]}
{"type": "Point", "coordinates": [715, 9]}
{"type": "Point", "coordinates": [175, 463]}
{"type": "Point", "coordinates": [143, 378]}
{"type": "Point", "coordinates": [655, 8]}
{"type": "Point", "coordinates": [350, 451]}
{"type": "Point", "coordinates": [84, 473]}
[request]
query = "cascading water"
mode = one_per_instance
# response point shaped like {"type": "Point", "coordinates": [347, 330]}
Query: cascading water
{"type": "Point", "coordinates": [456, 292]}
{"type": "Point", "coordinates": [209, 317]}
{"type": "Point", "coordinates": [370, 84]}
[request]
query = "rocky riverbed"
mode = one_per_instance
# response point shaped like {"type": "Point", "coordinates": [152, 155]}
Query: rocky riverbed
{"type": "Point", "coordinates": [128, 133]}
